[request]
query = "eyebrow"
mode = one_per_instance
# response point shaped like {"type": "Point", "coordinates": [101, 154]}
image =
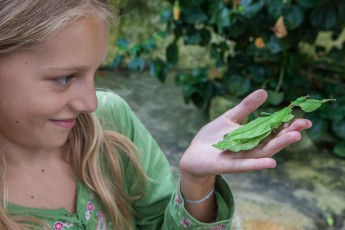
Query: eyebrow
{"type": "Point", "coordinates": [68, 68]}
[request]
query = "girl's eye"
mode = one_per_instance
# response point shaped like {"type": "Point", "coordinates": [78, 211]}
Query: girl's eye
{"type": "Point", "coordinates": [63, 81]}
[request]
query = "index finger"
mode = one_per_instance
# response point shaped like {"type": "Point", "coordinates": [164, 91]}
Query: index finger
{"type": "Point", "coordinates": [247, 106]}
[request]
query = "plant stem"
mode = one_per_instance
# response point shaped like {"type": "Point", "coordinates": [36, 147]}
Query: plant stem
{"type": "Point", "coordinates": [281, 76]}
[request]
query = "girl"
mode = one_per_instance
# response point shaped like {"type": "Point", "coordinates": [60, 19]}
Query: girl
{"type": "Point", "coordinates": [73, 158]}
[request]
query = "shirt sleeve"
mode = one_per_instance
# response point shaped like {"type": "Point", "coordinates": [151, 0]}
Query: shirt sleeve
{"type": "Point", "coordinates": [161, 206]}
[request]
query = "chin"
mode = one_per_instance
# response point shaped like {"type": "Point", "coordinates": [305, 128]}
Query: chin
{"type": "Point", "coordinates": [55, 142]}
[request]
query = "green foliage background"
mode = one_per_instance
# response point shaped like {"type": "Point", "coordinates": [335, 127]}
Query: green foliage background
{"type": "Point", "coordinates": [232, 62]}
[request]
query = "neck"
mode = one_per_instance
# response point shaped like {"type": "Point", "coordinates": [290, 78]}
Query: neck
{"type": "Point", "coordinates": [17, 156]}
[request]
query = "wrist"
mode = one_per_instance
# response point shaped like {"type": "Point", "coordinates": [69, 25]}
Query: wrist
{"type": "Point", "coordinates": [196, 202]}
{"type": "Point", "coordinates": [196, 188]}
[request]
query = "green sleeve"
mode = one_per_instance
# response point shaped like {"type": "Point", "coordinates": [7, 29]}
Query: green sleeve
{"type": "Point", "coordinates": [160, 207]}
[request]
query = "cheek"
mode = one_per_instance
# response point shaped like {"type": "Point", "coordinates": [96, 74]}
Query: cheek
{"type": "Point", "coordinates": [17, 112]}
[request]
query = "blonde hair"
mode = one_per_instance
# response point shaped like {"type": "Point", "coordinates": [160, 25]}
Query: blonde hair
{"type": "Point", "coordinates": [94, 153]}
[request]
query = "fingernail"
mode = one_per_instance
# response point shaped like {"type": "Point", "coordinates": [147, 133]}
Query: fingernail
{"type": "Point", "coordinates": [310, 124]}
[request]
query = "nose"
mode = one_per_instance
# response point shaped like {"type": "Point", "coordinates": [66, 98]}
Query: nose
{"type": "Point", "coordinates": [84, 99]}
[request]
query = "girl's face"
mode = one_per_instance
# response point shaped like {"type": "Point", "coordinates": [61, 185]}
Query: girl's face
{"type": "Point", "coordinates": [43, 89]}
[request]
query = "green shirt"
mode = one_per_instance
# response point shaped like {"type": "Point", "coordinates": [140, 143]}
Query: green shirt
{"type": "Point", "coordinates": [161, 207]}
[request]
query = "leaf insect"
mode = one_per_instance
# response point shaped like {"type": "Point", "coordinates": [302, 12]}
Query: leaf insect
{"type": "Point", "coordinates": [248, 136]}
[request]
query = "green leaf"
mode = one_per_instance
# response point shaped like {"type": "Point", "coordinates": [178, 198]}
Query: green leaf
{"type": "Point", "coordinates": [330, 221]}
{"type": "Point", "coordinates": [237, 26]}
{"type": "Point", "coordinates": [310, 3]}
{"type": "Point", "coordinates": [158, 69]}
{"type": "Point", "coordinates": [338, 128]}
{"type": "Point", "coordinates": [251, 9]}
{"type": "Point", "coordinates": [137, 63]}
{"type": "Point", "coordinates": [275, 8]}
{"type": "Point", "coordinates": [339, 149]}
{"type": "Point", "coordinates": [116, 62]}
{"type": "Point", "coordinates": [293, 17]}
{"type": "Point", "coordinates": [172, 54]}
{"type": "Point", "coordinates": [149, 45]}
{"type": "Point", "coordinates": [166, 16]}
{"type": "Point", "coordinates": [318, 129]}
{"type": "Point", "coordinates": [258, 73]}
{"type": "Point", "coordinates": [122, 43]}
{"type": "Point", "coordinates": [323, 18]}
{"type": "Point", "coordinates": [217, 52]}
{"type": "Point", "coordinates": [191, 3]}
{"type": "Point", "coordinates": [238, 85]}
{"type": "Point", "coordinates": [274, 45]}
{"type": "Point", "coordinates": [205, 37]}
{"type": "Point", "coordinates": [192, 37]}
{"type": "Point", "coordinates": [194, 15]}
{"type": "Point", "coordinates": [275, 98]}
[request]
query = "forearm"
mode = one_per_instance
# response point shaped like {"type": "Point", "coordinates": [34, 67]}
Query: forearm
{"type": "Point", "coordinates": [197, 189]}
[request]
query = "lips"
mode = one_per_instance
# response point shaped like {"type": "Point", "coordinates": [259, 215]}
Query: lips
{"type": "Point", "coordinates": [64, 123]}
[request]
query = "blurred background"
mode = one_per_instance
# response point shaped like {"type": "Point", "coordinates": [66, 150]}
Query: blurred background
{"type": "Point", "coordinates": [180, 64]}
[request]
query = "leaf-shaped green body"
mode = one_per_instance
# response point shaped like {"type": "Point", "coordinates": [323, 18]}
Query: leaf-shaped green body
{"type": "Point", "coordinates": [260, 125]}
{"type": "Point", "coordinates": [311, 104]}
{"type": "Point", "coordinates": [250, 135]}
{"type": "Point", "coordinates": [239, 144]}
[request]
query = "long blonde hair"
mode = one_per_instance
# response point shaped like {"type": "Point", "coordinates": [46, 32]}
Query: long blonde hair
{"type": "Point", "coordinates": [93, 153]}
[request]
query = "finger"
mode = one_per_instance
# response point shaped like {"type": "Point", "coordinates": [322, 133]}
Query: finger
{"type": "Point", "coordinates": [275, 145]}
{"type": "Point", "coordinates": [247, 106]}
{"type": "Point", "coordinates": [297, 125]}
{"type": "Point", "coordinates": [246, 165]}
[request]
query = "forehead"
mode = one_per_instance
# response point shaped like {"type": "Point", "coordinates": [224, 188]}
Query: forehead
{"type": "Point", "coordinates": [84, 42]}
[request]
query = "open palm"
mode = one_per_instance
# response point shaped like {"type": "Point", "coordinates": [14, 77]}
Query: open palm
{"type": "Point", "coordinates": [202, 159]}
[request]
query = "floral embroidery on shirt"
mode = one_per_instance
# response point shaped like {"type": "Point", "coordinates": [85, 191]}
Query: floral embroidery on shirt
{"type": "Point", "coordinates": [60, 225]}
{"type": "Point", "coordinates": [101, 223]}
{"type": "Point", "coordinates": [186, 222]}
{"type": "Point", "coordinates": [94, 213]}
{"type": "Point", "coordinates": [89, 208]}
{"type": "Point", "coordinates": [177, 198]}
{"type": "Point", "coordinates": [218, 227]}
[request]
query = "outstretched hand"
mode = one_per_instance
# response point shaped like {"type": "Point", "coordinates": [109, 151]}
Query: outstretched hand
{"type": "Point", "coordinates": [201, 159]}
